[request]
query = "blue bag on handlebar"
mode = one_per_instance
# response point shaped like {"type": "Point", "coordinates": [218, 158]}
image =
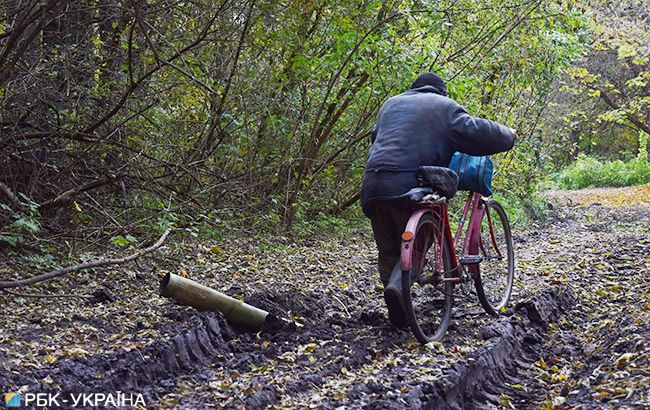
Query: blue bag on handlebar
{"type": "Point", "coordinates": [474, 173]}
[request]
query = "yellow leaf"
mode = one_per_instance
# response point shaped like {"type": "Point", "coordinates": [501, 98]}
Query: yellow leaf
{"type": "Point", "coordinates": [626, 50]}
{"type": "Point", "coordinates": [505, 401]}
{"type": "Point", "coordinates": [215, 249]}
{"type": "Point", "coordinates": [77, 351]}
{"type": "Point", "coordinates": [310, 347]}
{"type": "Point", "coordinates": [76, 206]}
{"type": "Point", "coordinates": [623, 360]}
{"type": "Point", "coordinates": [132, 345]}
{"type": "Point", "coordinates": [50, 359]}
{"type": "Point", "coordinates": [594, 93]}
{"type": "Point", "coordinates": [438, 346]}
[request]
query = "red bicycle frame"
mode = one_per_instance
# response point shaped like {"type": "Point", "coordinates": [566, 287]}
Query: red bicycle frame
{"type": "Point", "coordinates": [472, 239]}
{"type": "Point", "coordinates": [471, 243]}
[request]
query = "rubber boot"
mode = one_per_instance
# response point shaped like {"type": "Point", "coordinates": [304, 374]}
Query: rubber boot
{"type": "Point", "coordinates": [393, 298]}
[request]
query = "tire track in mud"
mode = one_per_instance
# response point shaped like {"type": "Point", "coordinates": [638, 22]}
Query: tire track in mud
{"type": "Point", "coordinates": [344, 345]}
{"type": "Point", "coordinates": [208, 342]}
{"type": "Point", "coordinates": [143, 370]}
{"type": "Point", "coordinates": [346, 354]}
{"type": "Point", "coordinates": [514, 343]}
{"type": "Point", "coordinates": [482, 377]}
{"type": "Point", "coordinates": [477, 380]}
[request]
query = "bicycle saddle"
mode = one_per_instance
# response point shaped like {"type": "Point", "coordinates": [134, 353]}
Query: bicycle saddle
{"type": "Point", "coordinates": [442, 180]}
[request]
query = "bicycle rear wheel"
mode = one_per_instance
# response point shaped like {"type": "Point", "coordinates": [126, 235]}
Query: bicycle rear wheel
{"type": "Point", "coordinates": [428, 300]}
{"type": "Point", "coordinates": [495, 274]}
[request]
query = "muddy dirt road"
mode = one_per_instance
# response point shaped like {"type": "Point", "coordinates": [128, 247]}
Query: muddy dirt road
{"type": "Point", "coordinates": [576, 335]}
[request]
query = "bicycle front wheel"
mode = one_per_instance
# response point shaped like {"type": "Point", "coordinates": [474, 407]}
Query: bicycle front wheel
{"type": "Point", "coordinates": [496, 271]}
{"type": "Point", "coordinates": [428, 300]}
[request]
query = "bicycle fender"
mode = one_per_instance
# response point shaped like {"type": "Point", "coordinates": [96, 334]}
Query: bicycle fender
{"type": "Point", "coordinates": [407, 238]}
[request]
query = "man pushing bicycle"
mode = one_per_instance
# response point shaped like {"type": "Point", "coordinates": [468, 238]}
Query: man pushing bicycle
{"type": "Point", "coordinates": [419, 127]}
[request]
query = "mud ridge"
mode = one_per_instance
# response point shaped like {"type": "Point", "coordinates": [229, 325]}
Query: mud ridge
{"type": "Point", "coordinates": [149, 370]}
{"type": "Point", "coordinates": [514, 343]}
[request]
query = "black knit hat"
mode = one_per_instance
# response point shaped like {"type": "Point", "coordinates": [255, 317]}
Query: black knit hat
{"type": "Point", "coordinates": [431, 79]}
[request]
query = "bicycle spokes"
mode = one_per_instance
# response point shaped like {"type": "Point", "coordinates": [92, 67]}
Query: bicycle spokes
{"type": "Point", "coordinates": [427, 304]}
{"type": "Point", "coordinates": [487, 260]}
{"type": "Point", "coordinates": [493, 235]}
{"type": "Point", "coordinates": [495, 274]}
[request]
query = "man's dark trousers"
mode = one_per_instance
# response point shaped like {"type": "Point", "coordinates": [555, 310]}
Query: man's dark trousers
{"type": "Point", "coordinates": [388, 222]}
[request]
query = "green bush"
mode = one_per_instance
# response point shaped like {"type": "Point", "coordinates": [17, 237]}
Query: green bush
{"type": "Point", "coordinates": [590, 172]}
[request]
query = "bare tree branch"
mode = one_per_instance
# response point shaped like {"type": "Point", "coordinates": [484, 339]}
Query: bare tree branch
{"type": "Point", "coordinates": [10, 194]}
{"type": "Point", "coordinates": [71, 193]}
{"type": "Point", "coordinates": [6, 284]}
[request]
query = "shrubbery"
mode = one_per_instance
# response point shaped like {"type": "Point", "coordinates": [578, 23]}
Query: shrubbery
{"type": "Point", "coordinates": [590, 172]}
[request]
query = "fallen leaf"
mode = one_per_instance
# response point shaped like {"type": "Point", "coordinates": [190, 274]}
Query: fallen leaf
{"type": "Point", "coordinates": [623, 360]}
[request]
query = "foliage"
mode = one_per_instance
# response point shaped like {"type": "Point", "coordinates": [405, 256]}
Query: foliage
{"type": "Point", "coordinates": [643, 146]}
{"type": "Point", "coordinates": [521, 209]}
{"type": "Point", "coordinates": [129, 115]}
{"type": "Point", "coordinates": [601, 104]}
{"type": "Point", "coordinates": [121, 241]}
{"type": "Point", "coordinates": [588, 172]}
{"type": "Point", "coordinates": [24, 222]}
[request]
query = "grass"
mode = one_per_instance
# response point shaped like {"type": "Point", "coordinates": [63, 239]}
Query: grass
{"type": "Point", "coordinates": [590, 172]}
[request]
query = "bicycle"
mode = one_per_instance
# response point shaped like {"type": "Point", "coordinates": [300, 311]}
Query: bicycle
{"type": "Point", "coordinates": [432, 266]}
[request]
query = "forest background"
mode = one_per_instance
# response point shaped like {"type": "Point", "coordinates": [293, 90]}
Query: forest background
{"type": "Point", "coordinates": [120, 118]}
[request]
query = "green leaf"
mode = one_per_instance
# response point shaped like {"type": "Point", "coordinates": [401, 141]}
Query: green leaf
{"type": "Point", "coordinates": [12, 240]}
{"type": "Point", "coordinates": [119, 240]}
{"type": "Point", "coordinates": [27, 224]}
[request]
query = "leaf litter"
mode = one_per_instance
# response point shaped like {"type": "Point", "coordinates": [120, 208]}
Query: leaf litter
{"type": "Point", "coordinates": [343, 352]}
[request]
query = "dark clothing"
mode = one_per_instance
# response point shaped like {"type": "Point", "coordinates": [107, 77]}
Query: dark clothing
{"type": "Point", "coordinates": [433, 80]}
{"type": "Point", "coordinates": [418, 127]}
{"type": "Point", "coordinates": [422, 127]}
{"type": "Point", "coordinates": [387, 230]}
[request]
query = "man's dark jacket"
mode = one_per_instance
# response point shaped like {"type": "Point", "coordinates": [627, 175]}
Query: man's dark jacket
{"type": "Point", "coordinates": [422, 127]}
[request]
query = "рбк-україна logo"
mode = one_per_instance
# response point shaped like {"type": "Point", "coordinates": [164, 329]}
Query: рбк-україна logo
{"type": "Point", "coordinates": [12, 399]}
